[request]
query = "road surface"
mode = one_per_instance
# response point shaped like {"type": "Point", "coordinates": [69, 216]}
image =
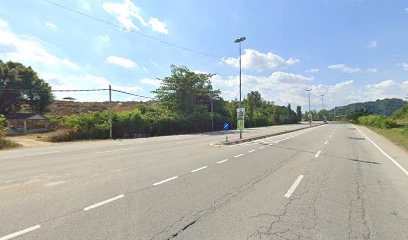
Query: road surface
{"type": "Point", "coordinates": [335, 181]}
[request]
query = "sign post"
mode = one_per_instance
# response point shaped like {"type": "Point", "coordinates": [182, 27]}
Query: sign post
{"type": "Point", "coordinates": [226, 128]}
{"type": "Point", "coordinates": [240, 120]}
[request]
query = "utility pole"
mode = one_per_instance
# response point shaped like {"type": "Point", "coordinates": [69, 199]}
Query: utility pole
{"type": "Point", "coordinates": [212, 112]}
{"type": "Point", "coordinates": [310, 114]}
{"type": "Point", "coordinates": [239, 40]}
{"type": "Point", "coordinates": [110, 112]}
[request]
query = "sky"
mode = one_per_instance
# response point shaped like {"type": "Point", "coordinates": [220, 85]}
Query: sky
{"type": "Point", "coordinates": [347, 50]}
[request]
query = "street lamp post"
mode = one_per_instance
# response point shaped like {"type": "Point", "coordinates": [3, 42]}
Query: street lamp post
{"type": "Point", "coordinates": [239, 40]}
{"type": "Point", "coordinates": [310, 115]}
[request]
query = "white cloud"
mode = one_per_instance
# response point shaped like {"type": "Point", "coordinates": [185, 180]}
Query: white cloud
{"type": "Point", "coordinates": [344, 68]}
{"type": "Point", "coordinates": [84, 4]}
{"type": "Point", "coordinates": [372, 44]}
{"type": "Point", "coordinates": [149, 81]}
{"type": "Point", "coordinates": [3, 24]}
{"type": "Point", "coordinates": [313, 70]}
{"type": "Point", "coordinates": [372, 70]}
{"type": "Point", "coordinates": [255, 60]}
{"type": "Point", "coordinates": [404, 66]}
{"type": "Point", "coordinates": [124, 62]}
{"type": "Point", "coordinates": [406, 10]}
{"type": "Point", "coordinates": [28, 51]}
{"type": "Point", "coordinates": [153, 63]}
{"type": "Point", "coordinates": [127, 11]}
{"type": "Point", "coordinates": [50, 25]}
{"type": "Point", "coordinates": [158, 26]}
{"type": "Point", "coordinates": [103, 38]}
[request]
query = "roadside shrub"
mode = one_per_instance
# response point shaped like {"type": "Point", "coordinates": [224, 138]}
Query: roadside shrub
{"type": "Point", "coordinates": [377, 121]}
{"type": "Point", "coordinates": [2, 126]}
{"type": "Point", "coordinates": [92, 125]}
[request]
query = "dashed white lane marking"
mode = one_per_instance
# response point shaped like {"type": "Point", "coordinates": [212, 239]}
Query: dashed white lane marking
{"type": "Point", "coordinates": [293, 187]}
{"type": "Point", "coordinates": [165, 180]}
{"type": "Point", "coordinates": [385, 154]}
{"type": "Point", "coordinates": [198, 169]}
{"type": "Point", "coordinates": [24, 231]}
{"type": "Point", "coordinates": [330, 136]}
{"type": "Point", "coordinates": [223, 161]}
{"type": "Point", "coordinates": [32, 154]}
{"type": "Point", "coordinates": [318, 153]}
{"type": "Point", "coordinates": [104, 202]}
{"type": "Point", "coordinates": [326, 142]}
{"type": "Point", "coordinates": [239, 155]}
{"type": "Point", "coordinates": [253, 150]}
{"type": "Point", "coordinates": [261, 147]}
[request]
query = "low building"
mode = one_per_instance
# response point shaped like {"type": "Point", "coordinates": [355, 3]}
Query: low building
{"type": "Point", "coordinates": [26, 123]}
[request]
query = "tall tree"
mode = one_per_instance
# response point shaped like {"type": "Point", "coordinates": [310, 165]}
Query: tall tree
{"type": "Point", "coordinates": [254, 101]}
{"type": "Point", "coordinates": [185, 90]}
{"type": "Point", "coordinates": [20, 85]}
{"type": "Point", "coordinates": [299, 113]}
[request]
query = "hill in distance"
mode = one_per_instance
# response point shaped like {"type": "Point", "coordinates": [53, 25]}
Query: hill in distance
{"type": "Point", "coordinates": [379, 107]}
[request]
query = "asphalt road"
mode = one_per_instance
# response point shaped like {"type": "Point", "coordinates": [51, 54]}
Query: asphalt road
{"type": "Point", "coordinates": [335, 181]}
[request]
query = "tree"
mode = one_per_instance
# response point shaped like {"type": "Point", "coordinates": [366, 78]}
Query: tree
{"type": "Point", "coordinates": [184, 91]}
{"type": "Point", "coordinates": [299, 113]}
{"type": "Point", "coordinates": [19, 86]}
{"type": "Point", "coordinates": [254, 101]}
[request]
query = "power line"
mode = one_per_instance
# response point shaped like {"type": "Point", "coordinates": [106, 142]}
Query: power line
{"type": "Point", "coordinates": [76, 90]}
{"type": "Point", "coordinates": [114, 90]}
{"type": "Point", "coordinates": [130, 30]}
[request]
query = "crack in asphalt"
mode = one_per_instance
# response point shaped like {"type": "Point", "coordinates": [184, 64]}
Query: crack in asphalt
{"type": "Point", "coordinates": [176, 227]}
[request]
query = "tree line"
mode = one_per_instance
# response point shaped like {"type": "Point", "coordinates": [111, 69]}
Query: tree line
{"type": "Point", "coordinates": [186, 103]}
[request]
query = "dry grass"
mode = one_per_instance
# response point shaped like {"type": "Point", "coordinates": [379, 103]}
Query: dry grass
{"type": "Point", "coordinates": [395, 135]}
{"type": "Point", "coordinates": [7, 144]}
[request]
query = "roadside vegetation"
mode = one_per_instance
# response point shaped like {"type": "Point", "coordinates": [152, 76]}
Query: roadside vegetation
{"type": "Point", "coordinates": [394, 127]}
{"type": "Point", "coordinates": [183, 105]}
{"type": "Point", "coordinates": [4, 143]}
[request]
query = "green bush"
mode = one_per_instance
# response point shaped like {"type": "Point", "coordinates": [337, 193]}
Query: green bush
{"type": "Point", "coordinates": [377, 121]}
{"type": "Point", "coordinates": [92, 125]}
{"type": "Point", "coordinates": [2, 126]}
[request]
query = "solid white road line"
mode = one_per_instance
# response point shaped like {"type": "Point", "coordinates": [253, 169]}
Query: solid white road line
{"type": "Point", "coordinates": [318, 153]}
{"type": "Point", "coordinates": [253, 150]}
{"type": "Point", "coordinates": [103, 202]}
{"type": "Point", "coordinates": [24, 231]}
{"type": "Point", "coordinates": [293, 187]}
{"type": "Point", "coordinates": [385, 154]}
{"type": "Point", "coordinates": [239, 155]}
{"type": "Point", "coordinates": [223, 161]}
{"type": "Point", "coordinates": [198, 169]}
{"type": "Point", "coordinates": [326, 142]}
{"type": "Point", "coordinates": [32, 154]}
{"type": "Point", "coordinates": [165, 180]}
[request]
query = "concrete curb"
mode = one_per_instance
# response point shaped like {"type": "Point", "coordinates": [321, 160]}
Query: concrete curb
{"type": "Point", "coordinates": [262, 136]}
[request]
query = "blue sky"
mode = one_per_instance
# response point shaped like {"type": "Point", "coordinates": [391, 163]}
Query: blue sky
{"type": "Point", "coordinates": [349, 50]}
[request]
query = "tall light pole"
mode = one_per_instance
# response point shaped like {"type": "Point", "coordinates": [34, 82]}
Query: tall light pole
{"type": "Point", "coordinates": [310, 114]}
{"type": "Point", "coordinates": [239, 40]}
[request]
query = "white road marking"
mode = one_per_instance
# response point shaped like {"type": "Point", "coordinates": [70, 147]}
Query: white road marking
{"type": "Point", "coordinates": [293, 187]}
{"type": "Point", "coordinates": [330, 136]}
{"type": "Point", "coordinates": [165, 180]}
{"type": "Point", "coordinates": [199, 169]}
{"type": "Point", "coordinates": [385, 154]}
{"type": "Point", "coordinates": [326, 142]}
{"type": "Point", "coordinates": [261, 147]}
{"type": "Point", "coordinates": [24, 231]}
{"type": "Point", "coordinates": [104, 202]}
{"type": "Point", "coordinates": [32, 154]}
{"type": "Point", "coordinates": [239, 155]}
{"type": "Point", "coordinates": [223, 161]}
{"type": "Point", "coordinates": [318, 153]}
{"type": "Point", "coordinates": [253, 150]}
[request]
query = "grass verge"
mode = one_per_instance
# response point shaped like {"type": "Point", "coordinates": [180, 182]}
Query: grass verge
{"type": "Point", "coordinates": [393, 134]}
{"type": "Point", "coordinates": [7, 144]}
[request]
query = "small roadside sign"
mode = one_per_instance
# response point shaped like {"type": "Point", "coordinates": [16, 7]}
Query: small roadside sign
{"type": "Point", "coordinates": [226, 126]}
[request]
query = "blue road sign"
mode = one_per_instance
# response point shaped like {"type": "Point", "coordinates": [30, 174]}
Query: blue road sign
{"type": "Point", "coordinates": [226, 126]}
